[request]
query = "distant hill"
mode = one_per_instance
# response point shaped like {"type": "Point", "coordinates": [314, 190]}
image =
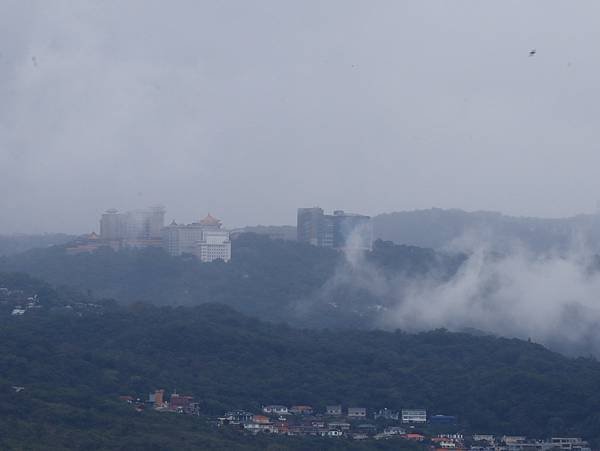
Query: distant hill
{"type": "Point", "coordinates": [285, 232]}
{"type": "Point", "coordinates": [437, 228]}
{"type": "Point", "coordinates": [73, 365]}
{"type": "Point", "coordinates": [14, 244]}
{"type": "Point", "coordinates": [277, 280]}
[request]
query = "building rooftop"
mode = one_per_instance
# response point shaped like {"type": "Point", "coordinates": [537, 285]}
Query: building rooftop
{"type": "Point", "coordinates": [210, 220]}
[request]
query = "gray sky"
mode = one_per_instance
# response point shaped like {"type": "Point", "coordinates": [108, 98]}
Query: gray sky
{"type": "Point", "coordinates": [251, 109]}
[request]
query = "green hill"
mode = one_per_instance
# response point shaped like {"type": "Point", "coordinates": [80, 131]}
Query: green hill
{"type": "Point", "coordinates": [272, 279]}
{"type": "Point", "coordinates": [82, 361]}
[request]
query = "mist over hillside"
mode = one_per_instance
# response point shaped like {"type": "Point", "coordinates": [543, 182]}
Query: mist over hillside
{"type": "Point", "coordinates": [273, 279]}
{"type": "Point", "coordinates": [73, 363]}
{"type": "Point", "coordinates": [548, 298]}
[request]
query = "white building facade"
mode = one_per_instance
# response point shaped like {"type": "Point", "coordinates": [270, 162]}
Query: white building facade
{"type": "Point", "coordinates": [204, 239]}
{"type": "Point", "coordinates": [414, 416]}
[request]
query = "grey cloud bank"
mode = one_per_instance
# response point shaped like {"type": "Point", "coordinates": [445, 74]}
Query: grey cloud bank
{"type": "Point", "coordinates": [550, 298]}
{"type": "Point", "coordinates": [251, 109]}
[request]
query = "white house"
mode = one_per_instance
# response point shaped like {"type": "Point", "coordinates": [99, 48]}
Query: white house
{"type": "Point", "coordinates": [414, 416]}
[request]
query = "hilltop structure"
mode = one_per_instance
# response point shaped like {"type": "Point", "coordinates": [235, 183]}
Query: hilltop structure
{"type": "Point", "coordinates": [137, 228]}
{"type": "Point", "coordinates": [205, 239]}
{"type": "Point", "coordinates": [340, 231]}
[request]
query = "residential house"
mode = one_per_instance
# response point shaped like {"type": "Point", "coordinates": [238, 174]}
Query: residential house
{"type": "Point", "coordinates": [394, 430]}
{"type": "Point", "coordinates": [341, 425]}
{"type": "Point", "coordinates": [414, 437]}
{"type": "Point", "coordinates": [484, 438]}
{"type": "Point", "coordinates": [182, 404]}
{"type": "Point", "coordinates": [301, 410]}
{"type": "Point", "coordinates": [414, 416]}
{"type": "Point", "coordinates": [387, 414]}
{"type": "Point", "coordinates": [260, 419]}
{"type": "Point", "coordinates": [569, 443]}
{"type": "Point", "coordinates": [334, 410]}
{"type": "Point", "coordinates": [357, 412]}
{"type": "Point", "coordinates": [236, 417]}
{"type": "Point", "coordinates": [276, 409]}
{"type": "Point", "coordinates": [255, 428]}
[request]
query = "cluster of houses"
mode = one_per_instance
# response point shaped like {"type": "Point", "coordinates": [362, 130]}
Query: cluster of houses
{"type": "Point", "coordinates": [356, 423]}
{"type": "Point", "coordinates": [17, 301]}
{"type": "Point", "coordinates": [480, 442]}
{"type": "Point", "coordinates": [158, 401]}
{"type": "Point", "coordinates": [408, 424]}
{"type": "Point", "coordinates": [334, 421]}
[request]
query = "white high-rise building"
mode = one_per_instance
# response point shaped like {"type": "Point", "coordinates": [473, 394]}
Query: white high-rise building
{"type": "Point", "coordinates": [204, 239]}
{"type": "Point", "coordinates": [215, 244]}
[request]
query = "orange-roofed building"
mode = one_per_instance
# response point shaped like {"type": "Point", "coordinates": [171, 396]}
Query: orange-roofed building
{"type": "Point", "coordinates": [261, 419]}
{"type": "Point", "coordinates": [414, 437]}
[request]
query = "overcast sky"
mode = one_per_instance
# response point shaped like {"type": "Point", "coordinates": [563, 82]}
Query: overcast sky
{"type": "Point", "coordinates": [250, 109]}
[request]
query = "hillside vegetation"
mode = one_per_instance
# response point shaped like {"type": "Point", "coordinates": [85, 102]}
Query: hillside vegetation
{"type": "Point", "coordinates": [227, 360]}
{"type": "Point", "coordinates": [272, 279]}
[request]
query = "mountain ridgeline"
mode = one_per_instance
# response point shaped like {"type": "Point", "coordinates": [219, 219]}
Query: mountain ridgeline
{"type": "Point", "coordinates": [438, 228]}
{"type": "Point", "coordinates": [15, 244]}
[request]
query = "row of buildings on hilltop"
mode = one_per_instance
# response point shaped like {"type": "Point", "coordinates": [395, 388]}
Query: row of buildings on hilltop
{"type": "Point", "coordinates": [341, 230]}
{"type": "Point", "coordinates": [206, 239]}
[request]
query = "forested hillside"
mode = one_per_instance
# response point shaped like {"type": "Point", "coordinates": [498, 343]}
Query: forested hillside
{"type": "Point", "coordinates": [273, 279]}
{"type": "Point", "coordinates": [14, 244]}
{"type": "Point", "coordinates": [227, 360]}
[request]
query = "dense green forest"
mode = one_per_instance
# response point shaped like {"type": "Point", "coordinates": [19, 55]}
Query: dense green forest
{"type": "Point", "coordinates": [79, 362]}
{"type": "Point", "coordinates": [272, 279]}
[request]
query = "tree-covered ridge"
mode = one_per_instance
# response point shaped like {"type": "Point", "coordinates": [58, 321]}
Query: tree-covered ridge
{"type": "Point", "coordinates": [437, 228]}
{"type": "Point", "coordinates": [273, 279]}
{"type": "Point", "coordinates": [227, 360]}
{"type": "Point", "coordinates": [15, 244]}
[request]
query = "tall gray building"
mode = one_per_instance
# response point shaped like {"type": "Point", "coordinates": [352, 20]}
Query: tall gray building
{"type": "Point", "coordinates": [133, 228]}
{"type": "Point", "coordinates": [341, 230]}
{"type": "Point", "coordinates": [111, 225]}
{"type": "Point", "coordinates": [351, 231]}
{"type": "Point", "coordinates": [314, 227]}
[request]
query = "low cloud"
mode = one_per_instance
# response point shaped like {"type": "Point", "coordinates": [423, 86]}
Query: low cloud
{"type": "Point", "coordinates": [550, 298]}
